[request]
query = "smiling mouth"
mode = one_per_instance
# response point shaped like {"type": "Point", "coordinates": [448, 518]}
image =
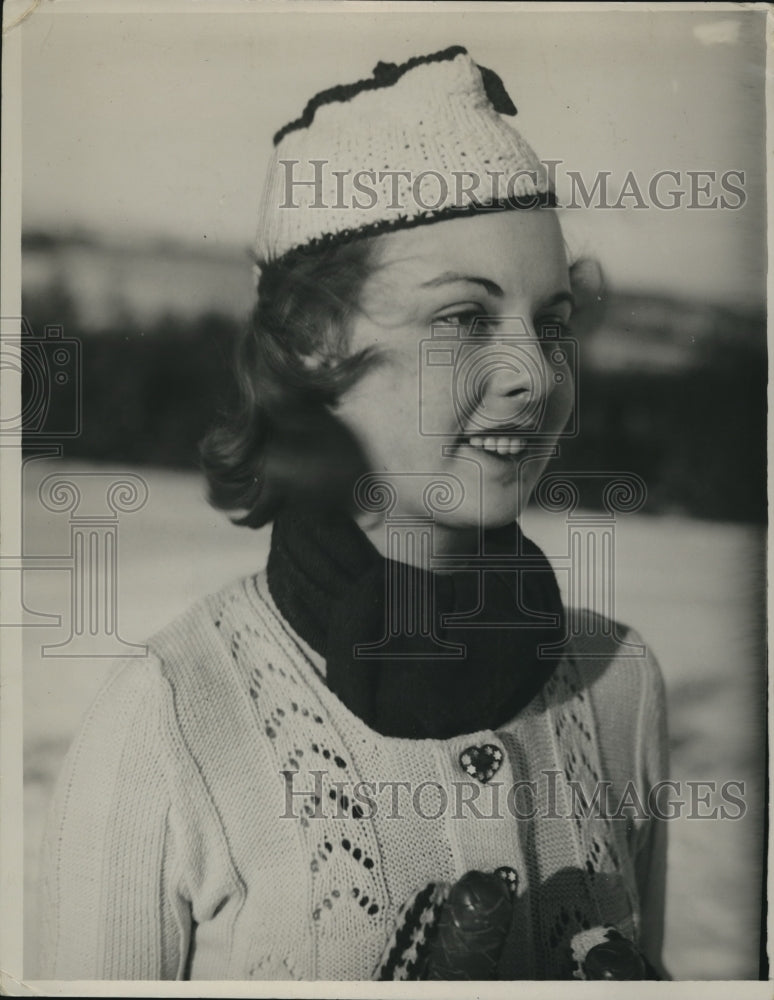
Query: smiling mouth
{"type": "Point", "coordinates": [499, 445]}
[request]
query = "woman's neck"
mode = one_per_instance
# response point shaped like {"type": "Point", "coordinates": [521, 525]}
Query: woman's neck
{"type": "Point", "coordinates": [419, 544]}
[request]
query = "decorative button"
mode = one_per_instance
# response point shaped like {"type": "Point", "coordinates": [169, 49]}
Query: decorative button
{"type": "Point", "coordinates": [615, 959]}
{"type": "Point", "coordinates": [483, 762]}
{"type": "Point", "coordinates": [509, 876]}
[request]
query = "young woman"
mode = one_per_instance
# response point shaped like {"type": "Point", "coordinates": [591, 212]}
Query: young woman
{"type": "Point", "coordinates": [379, 757]}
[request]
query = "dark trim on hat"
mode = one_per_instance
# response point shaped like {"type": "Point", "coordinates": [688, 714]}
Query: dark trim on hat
{"type": "Point", "coordinates": [384, 75]}
{"type": "Point", "coordinates": [541, 199]}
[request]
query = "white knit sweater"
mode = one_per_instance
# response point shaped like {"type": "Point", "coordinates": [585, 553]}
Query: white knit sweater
{"type": "Point", "coordinates": [173, 849]}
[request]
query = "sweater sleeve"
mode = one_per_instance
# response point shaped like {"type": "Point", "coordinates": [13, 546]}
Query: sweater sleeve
{"type": "Point", "coordinates": [109, 902]}
{"type": "Point", "coordinates": [653, 763]}
{"type": "Point", "coordinates": [630, 706]}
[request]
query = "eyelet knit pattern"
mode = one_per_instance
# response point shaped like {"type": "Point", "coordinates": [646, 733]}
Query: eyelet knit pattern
{"type": "Point", "coordinates": [175, 849]}
{"type": "Point", "coordinates": [436, 120]}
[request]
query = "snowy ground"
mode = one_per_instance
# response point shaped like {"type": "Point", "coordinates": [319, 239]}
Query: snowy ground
{"type": "Point", "coordinates": [691, 588]}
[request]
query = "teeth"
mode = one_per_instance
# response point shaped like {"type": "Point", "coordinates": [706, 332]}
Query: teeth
{"type": "Point", "coordinates": [501, 445]}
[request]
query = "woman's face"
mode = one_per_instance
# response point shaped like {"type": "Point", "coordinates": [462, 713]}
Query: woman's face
{"type": "Point", "coordinates": [473, 386]}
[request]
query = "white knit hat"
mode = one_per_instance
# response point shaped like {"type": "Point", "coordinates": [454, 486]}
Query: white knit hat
{"type": "Point", "coordinates": [413, 144]}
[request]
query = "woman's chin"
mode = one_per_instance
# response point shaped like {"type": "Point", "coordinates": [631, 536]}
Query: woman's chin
{"type": "Point", "coordinates": [493, 515]}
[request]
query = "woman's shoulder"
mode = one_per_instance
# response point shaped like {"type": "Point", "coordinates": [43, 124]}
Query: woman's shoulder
{"type": "Point", "coordinates": [196, 638]}
{"type": "Point", "coordinates": [187, 650]}
{"type": "Point", "coordinates": [236, 594]}
{"type": "Point", "coordinates": [625, 686]}
{"type": "Point", "coordinates": [193, 668]}
{"type": "Point", "coordinates": [616, 664]}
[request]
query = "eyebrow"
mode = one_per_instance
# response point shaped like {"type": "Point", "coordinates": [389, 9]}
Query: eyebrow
{"type": "Point", "coordinates": [450, 277]}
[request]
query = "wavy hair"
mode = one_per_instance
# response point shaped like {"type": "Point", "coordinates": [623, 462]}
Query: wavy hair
{"type": "Point", "coordinates": [279, 440]}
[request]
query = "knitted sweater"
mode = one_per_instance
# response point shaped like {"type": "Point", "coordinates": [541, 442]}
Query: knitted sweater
{"type": "Point", "coordinates": [222, 815]}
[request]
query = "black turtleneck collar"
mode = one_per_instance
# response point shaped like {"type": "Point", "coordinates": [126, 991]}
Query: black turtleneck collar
{"type": "Point", "coordinates": [335, 590]}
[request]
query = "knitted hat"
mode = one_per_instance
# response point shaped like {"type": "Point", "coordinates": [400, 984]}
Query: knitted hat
{"type": "Point", "coordinates": [413, 144]}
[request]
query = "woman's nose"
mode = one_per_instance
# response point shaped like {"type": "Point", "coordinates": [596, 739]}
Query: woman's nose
{"type": "Point", "coordinates": [515, 383]}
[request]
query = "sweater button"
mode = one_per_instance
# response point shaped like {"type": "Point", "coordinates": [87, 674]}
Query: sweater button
{"type": "Point", "coordinates": [510, 876]}
{"type": "Point", "coordinates": [481, 763]}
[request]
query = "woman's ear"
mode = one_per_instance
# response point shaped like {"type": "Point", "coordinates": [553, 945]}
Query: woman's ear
{"type": "Point", "coordinates": [588, 287]}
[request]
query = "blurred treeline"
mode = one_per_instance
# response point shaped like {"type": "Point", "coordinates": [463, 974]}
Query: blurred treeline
{"type": "Point", "coordinates": [673, 390]}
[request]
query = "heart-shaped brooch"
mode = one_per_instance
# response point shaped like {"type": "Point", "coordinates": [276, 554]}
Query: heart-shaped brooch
{"type": "Point", "coordinates": [483, 762]}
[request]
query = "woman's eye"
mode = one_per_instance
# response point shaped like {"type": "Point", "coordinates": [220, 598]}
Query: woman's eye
{"type": "Point", "coordinates": [462, 318]}
{"type": "Point", "coordinates": [553, 328]}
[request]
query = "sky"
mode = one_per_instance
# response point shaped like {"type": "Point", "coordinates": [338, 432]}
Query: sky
{"type": "Point", "coordinates": [160, 124]}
